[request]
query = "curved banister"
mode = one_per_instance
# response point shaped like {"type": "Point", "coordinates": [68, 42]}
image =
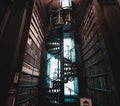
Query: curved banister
{"type": "Point", "coordinates": [72, 90]}
{"type": "Point", "coordinates": [57, 54]}
{"type": "Point", "coordinates": [65, 86]}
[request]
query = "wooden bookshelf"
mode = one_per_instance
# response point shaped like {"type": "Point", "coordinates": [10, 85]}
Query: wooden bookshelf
{"type": "Point", "coordinates": [94, 57]}
{"type": "Point", "coordinates": [30, 74]}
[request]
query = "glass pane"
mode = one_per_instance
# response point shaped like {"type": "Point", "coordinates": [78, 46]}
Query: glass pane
{"type": "Point", "coordinates": [65, 4]}
{"type": "Point", "coordinates": [69, 87]}
{"type": "Point", "coordinates": [52, 68]}
{"type": "Point", "coordinates": [69, 53]}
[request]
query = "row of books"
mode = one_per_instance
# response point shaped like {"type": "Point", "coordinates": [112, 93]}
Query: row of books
{"type": "Point", "coordinates": [97, 74]}
{"type": "Point", "coordinates": [30, 76]}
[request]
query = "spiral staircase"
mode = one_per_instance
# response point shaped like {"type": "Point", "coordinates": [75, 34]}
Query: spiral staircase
{"type": "Point", "coordinates": [54, 96]}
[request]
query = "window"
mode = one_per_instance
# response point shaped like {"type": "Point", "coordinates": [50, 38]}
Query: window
{"type": "Point", "coordinates": [53, 66]}
{"type": "Point", "coordinates": [65, 4]}
{"type": "Point", "coordinates": [70, 88]}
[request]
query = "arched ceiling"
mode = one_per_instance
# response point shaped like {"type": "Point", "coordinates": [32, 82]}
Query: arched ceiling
{"type": "Point", "coordinates": [55, 3]}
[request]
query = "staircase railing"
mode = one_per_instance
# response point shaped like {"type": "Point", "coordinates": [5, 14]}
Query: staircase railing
{"type": "Point", "coordinates": [65, 86]}
{"type": "Point", "coordinates": [57, 54]}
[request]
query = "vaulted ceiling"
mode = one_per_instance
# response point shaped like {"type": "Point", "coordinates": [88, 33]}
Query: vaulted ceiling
{"type": "Point", "coordinates": [55, 3]}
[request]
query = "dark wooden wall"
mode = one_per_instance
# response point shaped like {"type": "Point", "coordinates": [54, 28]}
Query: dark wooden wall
{"type": "Point", "coordinates": [3, 6]}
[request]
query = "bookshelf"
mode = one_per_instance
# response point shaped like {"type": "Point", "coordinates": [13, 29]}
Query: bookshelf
{"type": "Point", "coordinates": [30, 74]}
{"type": "Point", "coordinates": [94, 57]}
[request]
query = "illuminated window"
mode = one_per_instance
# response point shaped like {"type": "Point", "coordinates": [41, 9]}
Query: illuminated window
{"type": "Point", "coordinates": [53, 66]}
{"type": "Point", "coordinates": [70, 88]}
{"type": "Point", "coordinates": [66, 4]}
